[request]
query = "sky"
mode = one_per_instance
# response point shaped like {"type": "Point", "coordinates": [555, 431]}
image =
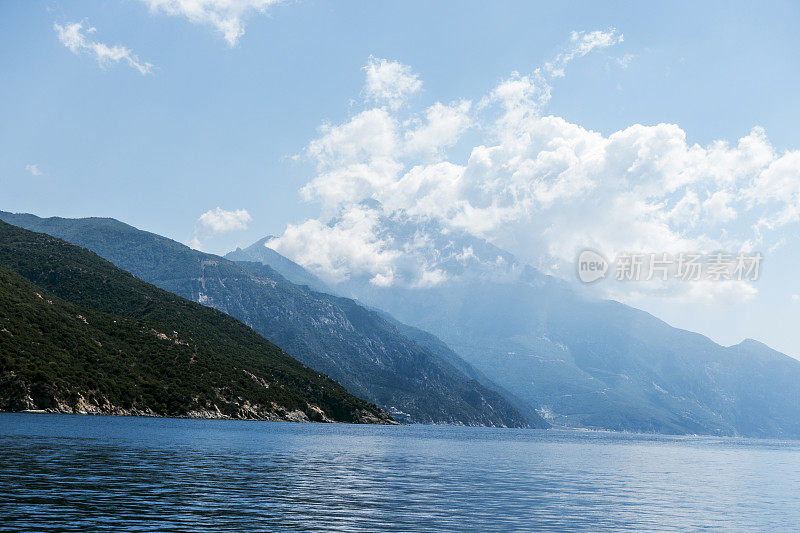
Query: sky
{"type": "Point", "coordinates": [544, 128]}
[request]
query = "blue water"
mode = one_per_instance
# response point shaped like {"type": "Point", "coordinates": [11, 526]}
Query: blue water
{"type": "Point", "coordinates": [78, 473]}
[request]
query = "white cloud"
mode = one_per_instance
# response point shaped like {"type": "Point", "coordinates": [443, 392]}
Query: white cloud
{"type": "Point", "coordinates": [33, 170]}
{"type": "Point", "coordinates": [369, 135]}
{"type": "Point", "coordinates": [221, 221]}
{"type": "Point", "coordinates": [75, 39]}
{"type": "Point", "coordinates": [581, 43]}
{"type": "Point", "coordinates": [365, 153]}
{"type": "Point", "coordinates": [537, 185]}
{"type": "Point", "coordinates": [389, 82]}
{"type": "Point", "coordinates": [442, 127]}
{"type": "Point", "coordinates": [225, 16]}
{"type": "Point", "coordinates": [519, 97]}
{"type": "Point", "coordinates": [779, 186]}
{"type": "Point", "coordinates": [218, 221]}
{"type": "Point", "coordinates": [717, 208]}
{"type": "Point", "coordinates": [795, 298]}
{"type": "Point", "coordinates": [351, 247]}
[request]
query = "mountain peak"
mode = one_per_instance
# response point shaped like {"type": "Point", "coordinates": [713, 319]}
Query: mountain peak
{"type": "Point", "coordinates": [759, 349]}
{"type": "Point", "coordinates": [752, 343]}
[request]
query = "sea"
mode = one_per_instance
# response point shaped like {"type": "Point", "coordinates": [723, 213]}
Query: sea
{"type": "Point", "coordinates": [106, 473]}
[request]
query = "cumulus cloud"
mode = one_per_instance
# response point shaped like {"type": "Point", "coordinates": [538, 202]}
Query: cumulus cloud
{"type": "Point", "coordinates": [225, 16]}
{"type": "Point", "coordinates": [352, 246]}
{"type": "Point", "coordinates": [33, 170]}
{"type": "Point", "coordinates": [221, 221]}
{"type": "Point", "coordinates": [218, 221]}
{"type": "Point", "coordinates": [389, 82]}
{"type": "Point", "coordinates": [441, 127]}
{"type": "Point", "coordinates": [534, 184]}
{"type": "Point", "coordinates": [75, 38]}
{"type": "Point", "coordinates": [779, 186]}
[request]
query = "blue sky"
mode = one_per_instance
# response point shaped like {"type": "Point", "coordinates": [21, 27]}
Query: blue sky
{"type": "Point", "coordinates": [213, 125]}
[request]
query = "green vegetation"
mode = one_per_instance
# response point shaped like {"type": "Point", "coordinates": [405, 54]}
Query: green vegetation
{"type": "Point", "coordinates": [77, 333]}
{"type": "Point", "coordinates": [356, 346]}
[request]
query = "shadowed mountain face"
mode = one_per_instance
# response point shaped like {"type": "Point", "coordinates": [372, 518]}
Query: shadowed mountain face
{"type": "Point", "coordinates": [358, 347]}
{"type": "Point", "coordinates": [584, 362]}
{"type": "Point", "coordinates": [77, 334]}
{"type": "Point", "coordinates": [602, 364]}
{"type": "Point", "coordinates": [260, 253]}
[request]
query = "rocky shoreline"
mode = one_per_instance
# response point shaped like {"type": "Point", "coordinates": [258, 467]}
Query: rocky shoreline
{"type": "Point", "coordinates": [264, 416]}
{"type": "Point", "coordinates": [245, 411]}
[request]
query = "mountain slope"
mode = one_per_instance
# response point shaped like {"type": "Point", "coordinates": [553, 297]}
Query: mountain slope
{"type": "Point", "coordinates": [259, 252]}
{"type": "Point", "coordinates": [355, 346]}
{"type": "Point", "coordinates": [435, 345]}
{"type": "Point", "coordinates": [582, 362]}
{"type": "Point", "coordinates": [601, 364]}
{"type": "Point", "coordinates": [78, 334]}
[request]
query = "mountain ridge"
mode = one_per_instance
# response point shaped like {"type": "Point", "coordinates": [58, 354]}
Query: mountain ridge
{"type": "Point", "coordinates": [80, 335]}
{"type": "Point", "coordinates": [331, 334]}
{"type": "Point", "coordinates": [577, 360]}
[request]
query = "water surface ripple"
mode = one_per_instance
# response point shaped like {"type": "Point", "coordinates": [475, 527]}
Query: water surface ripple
{"type": "Point", "coordinates": [79, 473]}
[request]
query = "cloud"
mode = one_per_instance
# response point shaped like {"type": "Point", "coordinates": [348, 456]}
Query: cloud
{"type": "Point", "coordinates": [218, 221]}
{"type": "Point", "coordinates": [75, 39]}
{"type": "Point", "coordinates": [33, 170]}
{"type": "Point", "coordinates": [367, 136]}
{"type": "Point", "coordinates": [366, 153]}
{"type": "Point", "coordinates": [625, 61]}
{"type": "Point", "coordinates": [225, 16]}
{"type": "Point", "coordinates": [778, 186]}
{"type": "Point", "coordinates": [221, 221]}
{"type": "Point", "coordinates": [441, 127]}
{"type": "Point", "coordinates": [717, 209]}
{"type": "Point", "coordinates": [581, 43]}
{"type": "Point", "coordinates": [536, 185]}
{"type": "Point", "coordinates": [354, 238]}
{"type": "Point", "coordinates": [389, 82]}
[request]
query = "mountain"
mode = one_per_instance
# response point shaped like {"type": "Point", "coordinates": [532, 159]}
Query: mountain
{"type": "Point", "coordinates": [580, 361]}
{"type": "Point", "coordinates": [354, 345]}
{"type": "Point", "coordinates": [435, 345]}
{"type": "Point", "coordinates": [287, 268]}
{"type": "Point", "coordinates": [601, 364]}
{"type": "Point", "coordinates": [260, 252]}
{"type": "Point", "coordinates": [79, 335]}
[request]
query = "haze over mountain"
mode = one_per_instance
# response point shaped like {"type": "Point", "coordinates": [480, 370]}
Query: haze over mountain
{"type": "Point", "coordinates": [79, 335]}
{"type": "Point", "coordinates": [358, 347]}
{"type": "Point", "coordinates": [260, 252]}
{"type": "Point", "coordinates": [576, 360]}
